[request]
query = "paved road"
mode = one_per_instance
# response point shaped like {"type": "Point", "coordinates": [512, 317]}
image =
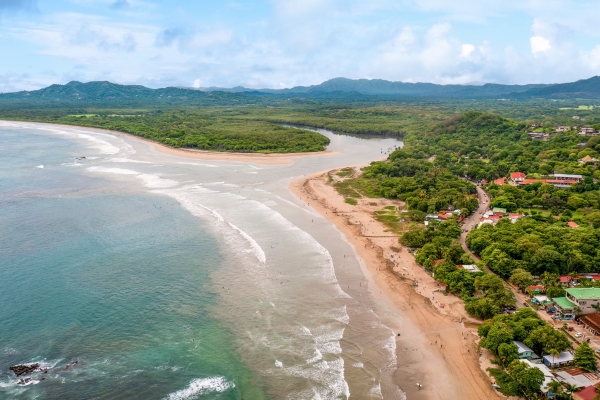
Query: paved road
{"type": "Point", "coordinates": [472, 221]}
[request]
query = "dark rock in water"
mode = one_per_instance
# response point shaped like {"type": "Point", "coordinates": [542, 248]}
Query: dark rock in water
{"type": "Point", "coordinates": [24, 369]}
{"type": "Point", "coordinates": [24, 381]}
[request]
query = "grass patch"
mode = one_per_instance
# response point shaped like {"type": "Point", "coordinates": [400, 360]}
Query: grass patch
{"type": "Point", "coordinates": [345, 172]}
{"type": "Point", "coordinates": [345, 189]}
{"type": "Point", "coordinates": [350, 200]}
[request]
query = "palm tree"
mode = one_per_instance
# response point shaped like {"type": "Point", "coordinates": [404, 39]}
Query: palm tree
{"type": "Point", "coordinates": [571, 389]}
{"type": "Point", "coordinates": [556, 388]}
{"type": "Point", "coordinates": [555, 353]}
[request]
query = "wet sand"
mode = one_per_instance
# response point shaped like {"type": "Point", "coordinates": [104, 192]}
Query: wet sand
{"type": "Point", "coordinates": [437, 346]}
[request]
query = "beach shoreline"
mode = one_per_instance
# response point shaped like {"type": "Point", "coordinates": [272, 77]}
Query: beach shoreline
{"type": "Point", "coordinates": [436, 341]}
{"type": "Point", "coordinates": [258, 158]}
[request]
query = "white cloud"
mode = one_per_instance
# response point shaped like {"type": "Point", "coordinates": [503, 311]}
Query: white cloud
{"type": "Point", "coordinates": [539, 44]}
{"type": "Point", "coordinates": [467, 50]}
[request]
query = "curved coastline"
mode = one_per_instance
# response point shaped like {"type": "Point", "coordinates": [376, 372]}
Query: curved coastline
{"type": "Point", "coordinates": [259, 158]}
{"type": "Point", "coordinates": [448, 366]}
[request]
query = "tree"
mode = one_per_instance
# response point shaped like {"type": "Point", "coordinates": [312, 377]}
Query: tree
{"type": "Point", "coordinates": [555, 387]}
{"type": "Point", "coordinates": [521, 278]}
{"type": "Point", "coordinates": [544, 339]}
{"type": "Point", "coordinates": [508, 353]}
{"type": "Point", "coordinates": [585, 357]}
{"type": "Point", "coordinates": [570, 389]}
{"type": "Point", "coordinates": [498, 334]}
{"type": "Point", "coordinates": [529, 379]}
{"type": "Point", "coordinates": [555, 292]}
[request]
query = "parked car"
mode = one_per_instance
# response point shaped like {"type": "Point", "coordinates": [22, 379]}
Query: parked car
{"type": "Point", "coordinates": [570, 328]}
{"type": "Point", "coordinates": [578, 335]}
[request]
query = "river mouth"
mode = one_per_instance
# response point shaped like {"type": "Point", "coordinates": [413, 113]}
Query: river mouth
{"type": "Point", "coordinates": [178, 278]}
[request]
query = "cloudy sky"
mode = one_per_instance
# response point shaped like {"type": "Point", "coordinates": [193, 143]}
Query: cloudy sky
{"type": "Point", "coordinates": [284, 43]}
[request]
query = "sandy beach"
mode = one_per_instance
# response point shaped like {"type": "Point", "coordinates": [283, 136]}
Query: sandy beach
{"type": "Point", "coordinates": [258, 158]}
{"type": "Point", "coordinates": [437, 342]}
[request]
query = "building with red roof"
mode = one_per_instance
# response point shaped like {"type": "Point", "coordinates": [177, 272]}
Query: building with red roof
{"type": "Point", "coordinates": [588, 393]}
{"type": "Point", "coordinates": [572, 224]}
{"type": "Point", "coordinates": [517, 176]}
{"type": "Point", "coordinates": [500, 181]}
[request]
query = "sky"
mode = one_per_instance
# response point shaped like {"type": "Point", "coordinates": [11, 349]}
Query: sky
{"type": "Point", "coordinates": [286, 43]}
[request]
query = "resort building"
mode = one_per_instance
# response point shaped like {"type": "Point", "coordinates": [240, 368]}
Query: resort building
{"type": "Point", "coordinates": [587, 299]}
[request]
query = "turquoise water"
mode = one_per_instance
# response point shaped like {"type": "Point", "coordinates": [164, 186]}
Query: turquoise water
{"type": "Point", "coordinates": [116, 280]}
{"type": "Point", "coordinates": [158, 277]}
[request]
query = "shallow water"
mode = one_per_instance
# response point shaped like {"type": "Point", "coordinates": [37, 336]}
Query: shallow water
{"type": "Point", "coordinates": [176, 278]}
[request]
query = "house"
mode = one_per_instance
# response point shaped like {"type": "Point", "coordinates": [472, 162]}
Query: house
{"type": "Point", "coordinates": [517, 176]}
{"type": "Point", "coordinates": [469, 268]}
{"type": "Point", "coordinates": [515, 217]}
{"type": "Point", "coordinates": [572, 224]}
{"type": "Point", "coordinates": [524, 351]}
{"type": "Point", "coordinates": [563, 128]}
{"type": "Point", "coordinates": [565, 280]}
{"type": "Point", "coordinates": [498, 210]}
{"type": "Point", "coordinates": [588, 132]}
{"type": "Point", "coordinates": [538, 135]}
{"type": "Point", "coordinates": [588, 393]}
{"type": "Point", "coordinates": [430, 217]}
{"type": "Point", "coordinates": [564, 359]}
{"type": "Point", "coordinates": [582, 144]}
{"type": "Point", "coordinates": [592, 322]}
{"type": "Point", "coordinates": [575, 117]}
{"type": "Point", "coordinates": [535, 289]}
{"type": "Point", "coordinates": [568, 177]}
{"type": "Point", "coordinates": [576, 377]}
{"type": "Point", "coordinates": [541, 300]}
{"type": "Point", "coordinates": [566, 307]}
{"type": "Point", "coordinates": [584, 298]}
{"type": "Point", "coordinates": [587, 160]}
{"type": "Point", "coordinates": [561, 183]}
{"type": "Point", "coordinates": [500, 181]}
{"type": "Point", "coordinates": [548, 376]}
{"type": "Point", "coordinates": [536, 125]}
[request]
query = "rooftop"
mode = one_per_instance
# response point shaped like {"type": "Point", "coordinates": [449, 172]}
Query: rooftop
{"type": "Point", "coordinates": [563, 302]}
{"type": "Point", "coordinates": [584, 293]}
{"type": "Point", "coordinates": [565, 356]}
{"type": "Point", "coordinates": [522, 347]}
{"type": "Point", "coordinates": [470, 268]}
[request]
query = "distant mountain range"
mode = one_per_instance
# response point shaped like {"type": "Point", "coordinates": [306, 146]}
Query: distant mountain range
{"type": "Point", "coordinates": [586, 88]}
{"type": "Point", "coordinates": [107, 93]}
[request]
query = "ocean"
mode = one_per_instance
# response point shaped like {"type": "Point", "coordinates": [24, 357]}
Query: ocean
{"type": "Point", "coordinates": [127, 273]}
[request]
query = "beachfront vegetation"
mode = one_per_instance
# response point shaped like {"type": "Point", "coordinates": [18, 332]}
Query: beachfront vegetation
{"type": "Point", "coordinates": [536, 245]}
{"type": "Point", "coordinates": [514, 377]}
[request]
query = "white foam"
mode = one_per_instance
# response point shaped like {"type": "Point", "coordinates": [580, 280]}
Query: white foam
{"type": "Point", "coordinates": [156, 182]}
{"type": "Point", "coordinates": [149, 180]}
{"type": "Point", "coordinates": [217, 384]}
{"type": "Point", "coordinates": [318, 357]}
{"type": "Point", "coordinates": [40, 166]}
{"type": "Point", "coordinates": [198, 164]}
{"type": "Point", "coordinates": [258, 251]}
{"type": "Point", "coordinates": [118, 171]}
{"type": "Point", "coordinates": [127, 160]}
{"type": "Point", "coordinates": [278, 364]}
